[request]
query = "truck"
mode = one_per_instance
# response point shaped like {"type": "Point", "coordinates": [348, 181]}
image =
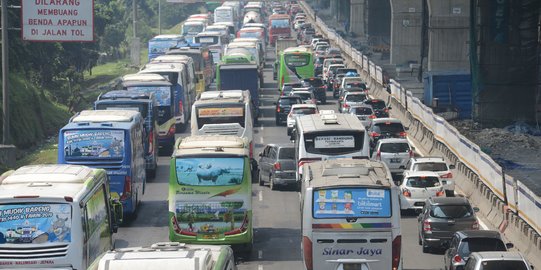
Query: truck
{"type": "Point", "coordinates": [239, 71]}
{"type": "Point", "coordinates": [281, 45]}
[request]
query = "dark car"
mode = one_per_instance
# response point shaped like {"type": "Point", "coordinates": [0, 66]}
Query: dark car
{"type": "Point", "coordinates": [318, 65]}
{"type": "Point", "coordinates": [288, 87]}
{"type": "Point", "coordinates": [381, 110]}
{"type": "Point", "coordinates": [382, 128]}
{"type": "Point", "coordinates": [277, 165]}
{"type": "Point", "coordinates": [317, 87]}
{"type": "Point", "coordinates": [283, 106]}
{"type": "Point", "coordinates": [441, 217]}
{"type": "Point", "coordinates": [464, 243]}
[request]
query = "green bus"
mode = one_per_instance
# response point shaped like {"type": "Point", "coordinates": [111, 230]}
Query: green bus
{"type": "Point", "coordinates": [210, 191]}
{"type": "Point", "coordinates": [295, 64]}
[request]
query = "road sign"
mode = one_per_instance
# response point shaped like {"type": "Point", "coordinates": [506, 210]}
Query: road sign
{"type": "Point", "coordinates": [58, 20]}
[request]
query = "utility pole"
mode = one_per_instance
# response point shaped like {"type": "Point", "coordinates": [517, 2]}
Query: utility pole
{"type": "Point", "coordinates": [159, 17]}
{"type": "Point", "coordinates": [5, 71]}
{"type": "Point", "coordinates": [135, 44]}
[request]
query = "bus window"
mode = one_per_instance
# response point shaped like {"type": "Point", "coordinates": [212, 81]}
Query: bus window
{"type": "Point", "coordinates": [220, 115]}
{"type": "Point", "coordinates": [93, 144]}
{"type": "Point", "coordinates": [334, 143]}
{"type": "Point", "coordinates": [210, 171]}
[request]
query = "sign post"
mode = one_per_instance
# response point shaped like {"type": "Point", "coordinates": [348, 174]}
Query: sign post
{"type": "Point", "coordinates": [58, 20]}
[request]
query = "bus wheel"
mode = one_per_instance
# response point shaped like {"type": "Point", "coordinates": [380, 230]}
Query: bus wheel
{"type": "Point", "coordinates": [261, 183]}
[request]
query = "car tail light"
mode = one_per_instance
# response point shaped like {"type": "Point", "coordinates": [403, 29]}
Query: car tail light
{"type": "Point", "coordinates": [386, 110]}
{"type": "Point", "coordinates": [126, 193]}
{"type": "Point", "coordinates": [406, 192]}
{"type": "Point", "coordinates": [171, 131]}
{"type": "Point", "coordinates": [378, 155]}
{"type": "Point", "coordinates": [314, 101]}
{"type": "Point", "coordinates": [402, 134]}
{"type": "Point", "coordinates": [251, 149]}
{"type": "Point", "coordinates": [427, 226]}
{"type": "Point", "coordinates": [411, 154]}
{"type": "Point", "coordinates": [457, 258]}
{"type": "Point", "coordinates": [447, 175]}
{"type": "Point", "coordinates": [277, 166]}
{"type": "Point", "coordinates": [278, 109]}
{"type": "Point", "coordinates": [324, 86]}
{"type": "Point", "coordinates": [181, 107]}
{"type": "Point", "coordinates": [475, 225]}
{"type": "Point", "coordinates": [151, 143]}
{"type": "Point", "coordinates": [397, 250]}
{"type": "Point", "coordinates": [440, 193]}
{"type": "Point", "coordinates": [374, 134]}
{"type": "Point", "coordinates": [373, 116]}
{"type": "Point", "coordinates": [307, 252]}
{"type": "Point", "coordinates": [345, 105]}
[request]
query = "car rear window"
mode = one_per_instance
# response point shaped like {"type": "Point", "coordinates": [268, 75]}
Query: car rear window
{"type": "Point", "coordinates": [356, 98]}
{"type": "Point", "coordinates": [303, 111]}
{"type": "Point", "coordinates": [470, 245]}
{"type": "Point", "coordinates": [451, 211]}
{"type": "Point", "coordinates": [289, 101]}
{"type": "Point", "coordinates": [377, 104]}
{"type": "Point", "coordinates": [423, 182]}
{"type": "Point", "coordinates": [316, 82]}
{"type": "Point", "coordinates": [286, 153]}
{"type": "Point", "coordinates": [388, 127]}
{"type": "Point", "coordinates": [394, 147]}
{"type": "Point", "coordinates": [430, 166]}
{"type": "Point", "coordinates": [363, 111]}
{"type": "Point", "coordinates": [355, 85]}
{"type": "Point", "coordinates": [503, 265]}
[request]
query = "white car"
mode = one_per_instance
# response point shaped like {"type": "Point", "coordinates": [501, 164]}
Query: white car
{"type": "Point", "coordinates": [307, 96]}
{"type": "Point", "coordinates": [417, 187]}
{"type": "Point", "coordinates": [299, 110]}
{"type": "Point", "coordinates": [437, 165]}
{"type": "Point", "coordinates": [365, 114]}
{"type": "Point", "coordinates": [395, 153]}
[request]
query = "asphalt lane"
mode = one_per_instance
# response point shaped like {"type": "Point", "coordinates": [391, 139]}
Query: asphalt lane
{"type": "Point", "coordinates": [276, 213]}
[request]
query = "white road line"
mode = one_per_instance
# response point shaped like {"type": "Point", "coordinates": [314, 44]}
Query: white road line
{"type": "Point", "coordinates": [261, 140]}
{"type": "Point", "coordinates": [260, 267]}
{"type": "Point", "coordinates": [261, 195]}
{"type": "Point", "coordinates": [260, 254]}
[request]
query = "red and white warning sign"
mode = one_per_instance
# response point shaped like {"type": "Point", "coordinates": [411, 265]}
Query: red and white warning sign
{"type": "Point", "coordinates": [58, 20]}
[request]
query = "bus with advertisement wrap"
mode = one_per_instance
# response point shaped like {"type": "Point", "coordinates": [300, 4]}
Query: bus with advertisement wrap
{"type": "Point", "coordinates": [55, 217]}
{"type": "Point", "coordinates": [295, 64]}
{"type": "Point", "coordinates": [210, 192]}
{"type": "Point", "coordinates": [350, 211]}
{"type": "Point", "coordinates": [227, 112]}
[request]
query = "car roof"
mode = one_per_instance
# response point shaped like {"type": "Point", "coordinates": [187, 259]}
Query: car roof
{"type": "Point", "coordinates": [288, 97]}
{"type": "Point", "coordinates": [393, 140]}
{"type": "Point", "coordinates": [498, 255]}
{"type": "Point", "coordinates": [479, 234]}
{"type": "Point", "coordinates": [448, 201]}
{"type": "Point", "coordinates": [428, 159]}
{"type": "Point", "coordinates": [420, 174]}
{"type": "Point", "coordinates": [387, 119]}
{"type": "Point", "coordinates": [301, 92]}
{"type": "Point", "coordinates": [294, 106]}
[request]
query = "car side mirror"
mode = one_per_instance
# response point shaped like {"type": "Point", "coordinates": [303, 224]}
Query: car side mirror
{"type": "Point", "coordinates": [452, 167]}
{"type": "Point", "coordinates": [406, 128]}
{"type": "Point", "coordinates": [389, 108]}
{"type": "Point", "coordinates": [476, 209]}
{"type": "Point", "coordinates": [509, 245]}
{"type": "Point", "coordinates": [413, 149]}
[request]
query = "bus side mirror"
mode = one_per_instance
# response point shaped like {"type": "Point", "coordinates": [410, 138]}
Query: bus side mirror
{"type": "Point", "coordinates": [117, 213]}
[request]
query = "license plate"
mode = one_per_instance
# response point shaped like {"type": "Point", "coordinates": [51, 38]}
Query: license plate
{"type": "Point", "coordinates": [211, 236]}
{"type": "Point", "coordinates": [396, 160]}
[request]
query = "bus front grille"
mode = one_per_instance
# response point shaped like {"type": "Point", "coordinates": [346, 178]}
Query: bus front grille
{"type": "Point", "coordinates": [35, 252]}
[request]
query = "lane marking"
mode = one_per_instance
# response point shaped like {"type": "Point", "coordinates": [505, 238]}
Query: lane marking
{"type": "Point", "coordinates": [260, 195]}
{"type": "Point", "coordinates": [260, 267]}
{"type": "Point", "coordinates": [260, 254]}
{"type": "Point", "coordinates": [261, 140]}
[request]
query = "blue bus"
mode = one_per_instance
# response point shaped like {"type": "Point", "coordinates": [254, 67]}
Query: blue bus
{"type": "Point", "coordinates": [158, 45]}
{"type": "Point", "coordinates": [110, 140]}
{"type": "Point", "coordinates": [144, 103]}
{"type": "Point", "coordinates": [167, 100]}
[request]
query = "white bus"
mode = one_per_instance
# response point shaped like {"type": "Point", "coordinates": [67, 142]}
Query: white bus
{"type": "Point", "coordinates": [55, 217]}
{"type": "Point", "coordinates": [328, 136]}
{"type": "Point", "coordinates": [350, 212]}
{"type": "Point", "coordinates": [226, 112]}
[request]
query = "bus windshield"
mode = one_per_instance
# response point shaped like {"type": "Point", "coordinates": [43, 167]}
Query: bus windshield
{"type": "Point", "coordinates": [296, 60]}
{"type": "Point", "coordinates": [224, 15]}
{"type": "Point", "coordinates": [250, 34]}
{"type": "Point", "coordinates": [346, 202]}
{"type": "Point", "coordinates": [220, 115]}
{"type": "Point", "coordinates": [35, 223]}
{"type": "Point", "coordinates": [192, 28]}
{"type": "Point", "coordinates": [92, 144]}
{"type": "Point", "coordinates": [140, 107]}
{"type": "Point", "coordinates": [280, 23]}
{"type": "Point", "coordinates": [336, 142]}
{"type": "Point", "coordinates": [211, 171]}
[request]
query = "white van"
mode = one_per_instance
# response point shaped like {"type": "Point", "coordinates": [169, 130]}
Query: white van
{"type": "Point", "coordinates": [55, 217]}
{"type": "Point", "coordinates": [350, 210]}
{"type": "Point", "coordinates": [169, 256]}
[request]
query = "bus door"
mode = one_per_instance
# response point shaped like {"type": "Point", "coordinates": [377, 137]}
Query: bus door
{"type": "Point", "coordinates": [345, 223]}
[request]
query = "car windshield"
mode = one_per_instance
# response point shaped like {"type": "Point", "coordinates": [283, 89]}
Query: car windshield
{"type": "Point", "coordinates": [356, 98]}
{"type": "Point", "coordinates": [430, 166]}
{"type": "Point", "coordinates": [394, 147]}
{"type": "Point", "coordinates": [286, 153]}
{"type": "Point", "coordinates": [423, 182]}
{"type": "Point", "coordinates": [451, 211]}
{"type": "Point", "coordinates": [470, 245]}
{"type": "Point", "coordinates": [503, 265]}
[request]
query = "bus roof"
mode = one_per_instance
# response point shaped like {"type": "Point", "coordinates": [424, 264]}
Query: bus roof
{"type": "Point", "coordinates": [167, 37]}
{"type": "Point", "coordinates": [150, 77]}
{"type": "Point", "coordinates": [212, 144]}
{"type": "Point", "coordinates": [171, 58]}
{"type": "Point", "coordinates": [160, 67]}
{"type": "Point", "coordinates": [328, 120]}
{"type": "Point", "coordinates": [99, 116]}
{"type": "Point", "coordinates": [126, 94]}
{"type": "Point", "coordinates": [50, 180]}
{"type": "Point", "coordinates": [232, 96]}
{"type": "Point", "coordinates": [347, 172]}
{"type": "Point", "coordinates": [297, 50]}
{"type": "Point", "coordinates": [209, 33]}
